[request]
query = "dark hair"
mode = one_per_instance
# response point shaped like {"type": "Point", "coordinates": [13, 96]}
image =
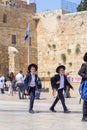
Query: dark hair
{"type": "Point", "coordinates": [85, 57]}
{"type": "Point", "coordinates": [60, 67]}
{"type": "Point", "coordinates": [21, 71]}
{"type": "Point", "coordinates": [12, 75]}
{"type": "Point", "coordinates": [32, 65]}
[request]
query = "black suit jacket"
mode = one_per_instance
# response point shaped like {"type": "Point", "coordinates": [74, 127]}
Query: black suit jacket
{"type": "Point", "coordinates": [66, 83]}
{"type": "Point", "coordinates": [83, 71]}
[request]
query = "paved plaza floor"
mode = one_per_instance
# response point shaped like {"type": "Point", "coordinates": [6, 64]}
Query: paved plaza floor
{"type": "Point", "coordinates": [14, 114]}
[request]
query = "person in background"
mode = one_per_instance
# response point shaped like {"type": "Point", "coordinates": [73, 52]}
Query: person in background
{"type": "Point", "coordinates": [61, 82]}
{"type": "Point", "coordinates": [2, 82]}
{"type": "Point", "coordinates": [31, 83]}
{"type": "Point", "coordinates": [83, 73]}
{"type": "Point", "coordinates": [20, 84]}
{"type": "Point", "coordinates": [67, 92]}
{"type": "Point", "coordinates": [12, 86]}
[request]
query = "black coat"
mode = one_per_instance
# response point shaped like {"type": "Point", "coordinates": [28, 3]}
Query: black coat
{"type": "Point", "coordinates": [66, 83]}
{"type": "Point", "coordinates": [83, 71]}
{"type": "Point", "coordinates": [28, 80]}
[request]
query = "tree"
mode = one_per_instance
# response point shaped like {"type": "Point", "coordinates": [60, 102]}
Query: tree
{"type": "Point", "coordinates": [82, 6]}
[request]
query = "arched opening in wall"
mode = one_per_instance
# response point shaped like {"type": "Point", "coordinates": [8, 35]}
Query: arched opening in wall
{"type": "Point", "coordinates": [13, 59]}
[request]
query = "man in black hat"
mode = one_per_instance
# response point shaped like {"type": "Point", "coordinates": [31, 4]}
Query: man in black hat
{"type": "Point", "coordinates": [31, 82]}
{"type": "Point", "coordinates": [61, 82]}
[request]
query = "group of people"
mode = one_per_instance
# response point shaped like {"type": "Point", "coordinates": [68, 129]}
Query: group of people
{"type": "Point", "coordinates": [13, 82]}
{"type": "Point", "coordinates": [31, 82]}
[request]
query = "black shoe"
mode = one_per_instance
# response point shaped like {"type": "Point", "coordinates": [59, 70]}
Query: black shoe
{"type": "Point", "coordinates": [52, 109]}
{"type": "Point", "coordinates": [20, 98]}
{"type": "Point", "coordinates": [84, 119]}
{"type": "Point", "coordinates": [66, 111]}
{"type": "Point", "coordinates": [31, 111]}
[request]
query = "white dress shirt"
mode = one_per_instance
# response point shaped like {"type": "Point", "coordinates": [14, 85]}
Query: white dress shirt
{"type": "Point", "coordinates": [2, 81]}
{"type": "Point", "coordinates": [32, 83]}
{"type": "Point", "coordinates": [19, 78]}
{"type": "Point", "coordinates": [61, 82]}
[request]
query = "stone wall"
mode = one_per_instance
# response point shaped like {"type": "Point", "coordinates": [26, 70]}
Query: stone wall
{"type": "Point", "coordinates": [61, 39]}
{"type": "Point", "coordinates": [17, 21]}
{"type": "Point", "coordinates": [4, 65]}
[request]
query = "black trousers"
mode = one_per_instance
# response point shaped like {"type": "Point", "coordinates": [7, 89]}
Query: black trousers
{"type": "Point", "coordinates": [2, 90]}
{"type": "Point", "coordinates": [32, 97]}
{"type": "Point", "coordinates": [84, 109]}
{"type": "Point", "coordinates": [60, 97]}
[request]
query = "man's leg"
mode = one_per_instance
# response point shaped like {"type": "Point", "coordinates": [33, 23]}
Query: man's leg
{"type": "Point", "coordinates": [54, 104]}
{"type": "Point", "coordinates": [61, 97]}
{"type": "Point", "coordinates": [22, 90]}
{"type": "Point", "coordinates": [19, 92]}
{"type": "Point", "coordinates": [2, 90]}
{"type": "Point", "coordinates": [32, 97]}
{"type": "Point", "coordinates": [85, 109]}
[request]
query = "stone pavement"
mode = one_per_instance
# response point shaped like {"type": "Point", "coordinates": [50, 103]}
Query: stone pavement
{"type": "Point", "coordinates": [14, 114]}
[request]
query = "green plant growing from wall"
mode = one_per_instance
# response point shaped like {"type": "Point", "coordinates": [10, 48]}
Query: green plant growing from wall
{"type": "Point", "coordinates": [77, 51]}
{"type": "Point", "coordinates": [48, 73]}
{"type": "Point", "coordinates": [82, 23]}
{"type": "Point", "coordinates": [48, 52]}
{"type": "Point", "coordinates": [63, 57]}
{"type": "Point", "coordinates": [59, 63]}
{"type": "Point", "coordinates": [70, 64]}
{"type": "Point", "coordinates": [54, 46]}
{"type": "Point", "coordinates": [49, 45]}
{"type": "Point", "coordinates": [69, 51]}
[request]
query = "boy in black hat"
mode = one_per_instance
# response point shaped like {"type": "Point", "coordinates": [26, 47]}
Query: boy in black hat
{"type": "Point", "coordinates": [60, 82]}
{"type": "Point", "coordinates": [31, 82]}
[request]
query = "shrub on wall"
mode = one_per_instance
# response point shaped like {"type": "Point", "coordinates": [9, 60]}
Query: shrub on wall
{"type": "Point", "coordinates": [77, 51]}
{"type": "Point", "coordinates": [48, 72]}
{"type": "Point", "coordinates": [49, 45]}
{"type": "Point", "coordinates": [70, 64]}
{"type": "Point", "coordinates": [68, 51]}
{"type": "Point", "coordinates": [54, 46]}
{"type": "Point", "coordinates": [63, 57]}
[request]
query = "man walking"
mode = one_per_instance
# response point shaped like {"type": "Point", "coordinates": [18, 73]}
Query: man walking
{"type": "Point", "coordinates": [31, 83]}
{"type": "Point", "coordinates": [61, 82]}
{"type": "Point", "coordinates": [20, 84]}
{"type": "Point", "coordinates": [2, 82]}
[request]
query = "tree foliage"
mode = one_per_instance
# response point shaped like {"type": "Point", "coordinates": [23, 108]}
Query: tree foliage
{"type": "Point", "coordinates": [82, 6]}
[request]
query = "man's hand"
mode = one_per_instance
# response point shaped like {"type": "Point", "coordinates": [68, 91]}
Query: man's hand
{"type": "Point", "coordinates": [58, 82]}
{"type": "Point", "coordinates": [72, 88]}
{"type": "Point", "coordinates": [26, 92]}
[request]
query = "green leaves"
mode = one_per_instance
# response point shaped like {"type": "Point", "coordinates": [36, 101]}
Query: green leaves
{"type": "Point", "coordinates": [82, 6]}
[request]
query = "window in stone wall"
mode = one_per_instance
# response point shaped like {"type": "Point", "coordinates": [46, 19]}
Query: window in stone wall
{"type": "Point", "coordinates": [13, 39]}
{"type": "Point", "coordinates": [4, 18]}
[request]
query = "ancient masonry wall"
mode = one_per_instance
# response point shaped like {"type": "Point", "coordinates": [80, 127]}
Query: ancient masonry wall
{"type": "Point", "coordinates": [14, 57]}
{"type": "Point", "coordinates": [61, 39]}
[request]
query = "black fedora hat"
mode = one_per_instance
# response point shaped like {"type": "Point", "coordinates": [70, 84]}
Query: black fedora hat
{"type": "Point", "coordinates": [60, 67]}
{"type": "Point", "coordinates": [32, 65]}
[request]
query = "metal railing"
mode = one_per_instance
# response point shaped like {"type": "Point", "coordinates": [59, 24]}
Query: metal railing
{"type": "Point", "coordinates": [31, 1]}
{"type": "Point", "coordinates": [69, 6]}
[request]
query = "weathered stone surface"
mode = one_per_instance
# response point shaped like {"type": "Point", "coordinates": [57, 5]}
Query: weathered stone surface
{"type": "Point", "coordinates": [58, 36]}
{"type": "Point", "coordinates": [17, 20]}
